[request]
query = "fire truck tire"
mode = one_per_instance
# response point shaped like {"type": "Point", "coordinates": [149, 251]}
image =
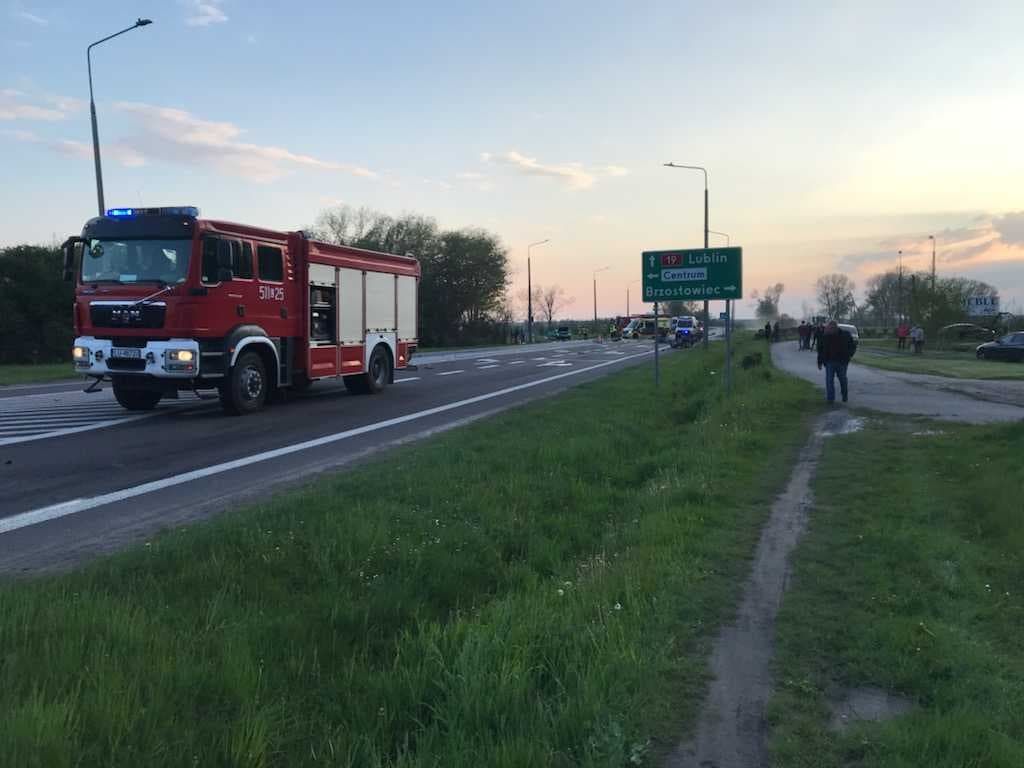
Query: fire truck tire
{"type": "Point", "coordinates": [136, 399]}
{"type": "Point", "coordinates": [246, 388]}
{"type": "Point", "coordinates": [374, 381]}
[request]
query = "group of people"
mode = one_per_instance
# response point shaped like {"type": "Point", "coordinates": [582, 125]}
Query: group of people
{"type": "Point", "coordinates": [809, 335]}
{"type": "Point", "coordinates": [772, 333]}
{"type": "Point", "coordinates": [914, 333]}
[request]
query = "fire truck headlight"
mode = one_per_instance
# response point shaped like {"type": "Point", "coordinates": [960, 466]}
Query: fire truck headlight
{"type": "Point", "coordinates": [180, 355]}
{"type": "Point", "coordinates": [80, 354]}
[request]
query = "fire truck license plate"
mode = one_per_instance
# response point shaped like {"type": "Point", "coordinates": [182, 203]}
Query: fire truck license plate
{"type": "Point", "coordinates": [133, 354]}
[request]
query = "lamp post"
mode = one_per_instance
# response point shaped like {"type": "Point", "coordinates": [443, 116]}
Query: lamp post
{"type": "Point", "coordinates": [631, 282]}
{"type": "Point", "coordinates": [932, 238]}
{"type": "Point", "coordinates": [728, 303]}
{"type": "Point", "coordinates": [899, 287]}
{"type": "Point", "coordinates": [529, 291]}
{"type": "Point", "coordinates": [602, 269]}
{"type": "Point", "coordinates": [728, 240]}
{"type": "Point", "coordinates": [92, 110]}
{"type": "Point", "coordinates": [703, 170]}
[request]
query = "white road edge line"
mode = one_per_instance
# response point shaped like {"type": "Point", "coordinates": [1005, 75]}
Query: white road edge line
{"type": "Point", "coordinates": [450, 373]}
{"type": "Point", "coordinates": [63, 509]}
{"type": "Point", "coordinates": [407, 378]}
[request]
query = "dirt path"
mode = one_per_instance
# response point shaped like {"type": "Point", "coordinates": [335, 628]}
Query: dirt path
{"type": "Point", "coordinates": [732, 731]}
{"type": "Point", "coordinates": [969, 400]}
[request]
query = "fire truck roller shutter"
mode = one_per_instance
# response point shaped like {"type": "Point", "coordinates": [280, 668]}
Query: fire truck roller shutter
{"type": "Point", "coordinates": [406, 308]}
{"type": "Point", "coordinates": [350, 307]}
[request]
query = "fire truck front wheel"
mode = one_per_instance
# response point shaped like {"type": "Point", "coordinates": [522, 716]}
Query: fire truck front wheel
{"type": "Point", "coordinates": [245, 390]}
{"type": "Point", "coordinates": [136, 399]}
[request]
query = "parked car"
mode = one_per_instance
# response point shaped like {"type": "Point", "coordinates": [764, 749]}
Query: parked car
{"type": "Point", "coordinates": [563, 333]}
{"type": "Point", "coordinates": [1010, 347]}
{"type": "Point", "coordinates": [852, 330]}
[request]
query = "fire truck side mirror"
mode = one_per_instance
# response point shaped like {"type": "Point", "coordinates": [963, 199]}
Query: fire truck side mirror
{"type": "Point", "coordinates": [73, 248]}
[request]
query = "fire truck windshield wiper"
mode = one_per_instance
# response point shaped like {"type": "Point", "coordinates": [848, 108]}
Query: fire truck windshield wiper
{"type": "Point", "coordinates": [153, 295]}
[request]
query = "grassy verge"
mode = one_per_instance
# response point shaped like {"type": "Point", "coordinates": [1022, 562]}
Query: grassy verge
{"type": "Point", "coordinates": [958, 365]}
{"type": "Point", "coordinates": [537, 589]}
{"type": "Point", "coordinates": [910, 579]}
{"type": "Point", "coordinates": [35, 374]}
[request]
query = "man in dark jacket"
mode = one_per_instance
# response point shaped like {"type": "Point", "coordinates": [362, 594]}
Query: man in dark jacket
{"type": "Point", "coordinates": [835, 349]}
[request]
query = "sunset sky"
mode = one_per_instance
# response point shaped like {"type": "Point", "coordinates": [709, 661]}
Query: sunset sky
{"type": "Point", "coordinates": [835, 133]}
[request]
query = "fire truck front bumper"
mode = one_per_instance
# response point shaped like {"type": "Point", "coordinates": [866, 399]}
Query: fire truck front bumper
{"type": "Point", "coordinates": [173, 359]}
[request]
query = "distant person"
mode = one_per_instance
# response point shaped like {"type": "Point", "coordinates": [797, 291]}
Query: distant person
{"type": "Point", "coordinates": [804, 334]}
{"type": "Point", "coordinates": [902, 333]}
{"type": "Point", "coordinates": [775, 331]}
{"type": "Point", "coordinates": [816, 335]}
{"type": "Point", "coordinates": [768, 332]}
{"type": "Point", "coordinates": [917, 339]}
{"type": "Point", "coordinates": [835, 349]}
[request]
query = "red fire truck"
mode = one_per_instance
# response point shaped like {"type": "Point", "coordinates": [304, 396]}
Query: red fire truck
{"type": "Point", "coordinates": [166, 301]}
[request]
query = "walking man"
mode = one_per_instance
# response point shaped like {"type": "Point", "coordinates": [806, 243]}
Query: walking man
{"type": "Point", "coordinates": [835, 349]}
{"type": "Point", "coordinates": [902, 332]}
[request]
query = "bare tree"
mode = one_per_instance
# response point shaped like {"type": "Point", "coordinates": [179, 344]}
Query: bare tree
{"type": "Point", "coordinates": [835, 295]}
{"type": "Point", "coordinates": [767, 306]}
{"type": "Point", "coordinates": [552, 301]}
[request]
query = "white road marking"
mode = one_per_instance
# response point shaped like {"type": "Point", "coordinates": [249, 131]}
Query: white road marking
{"type": "Point", "coordinates": [487, 360]}
{"type": "Point", "coordinates": [408, 378]}
{"type": "Point", "coordinates": [517, 362]}
{"type": "Point", "coordinates": [450, 373]}
{"type": "Point", "coordinates": [485, 367]}
{"type": "Point", "coordinates": [540, 358]}
{"type": "Point", "coordinates": [74, 506]}
{"type": "Point", "coordinates": [557, 364]}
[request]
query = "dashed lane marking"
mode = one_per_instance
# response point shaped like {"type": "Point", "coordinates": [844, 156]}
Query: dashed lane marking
{"type": "Point", "coordinates": [450, 373]}
{"type": "Point", "coordinates": [407, 378]}
{"type": "Point", "coordinates": [485, 367]}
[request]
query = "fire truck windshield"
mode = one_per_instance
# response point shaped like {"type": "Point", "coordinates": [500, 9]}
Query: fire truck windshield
{"type": "Point", "coordinates": [136, 261]}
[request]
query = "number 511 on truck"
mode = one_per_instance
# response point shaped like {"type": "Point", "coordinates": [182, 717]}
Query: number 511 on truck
{"type": "Point", "coordinates": [166, 301]}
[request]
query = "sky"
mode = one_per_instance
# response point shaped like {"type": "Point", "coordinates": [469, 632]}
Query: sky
{"type": "Point", "coordinates": [835, 133]}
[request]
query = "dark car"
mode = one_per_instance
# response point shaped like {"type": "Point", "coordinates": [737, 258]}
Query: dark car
{"type": "Point", "coordinates": [563, 334]}
{"type": "Point", "coordinates": [1009, 347]}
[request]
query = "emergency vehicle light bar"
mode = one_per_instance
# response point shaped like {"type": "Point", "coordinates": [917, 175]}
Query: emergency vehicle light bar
{"type": "Point", "coordinates": [128, 213]}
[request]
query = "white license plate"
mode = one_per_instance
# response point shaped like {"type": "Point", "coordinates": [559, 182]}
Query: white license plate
{"type": "Point", "coordinates": [130, 354]}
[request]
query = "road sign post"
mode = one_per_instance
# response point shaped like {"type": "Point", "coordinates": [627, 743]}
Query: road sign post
{"type": "Point", "coordinates": [691, 274]}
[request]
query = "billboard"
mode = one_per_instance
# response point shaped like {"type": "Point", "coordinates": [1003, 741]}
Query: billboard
{"type": "Point", "coordinates": [981, 306]}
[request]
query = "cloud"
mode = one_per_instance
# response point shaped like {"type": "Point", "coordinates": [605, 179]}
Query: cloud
{"type": "Point", "coordinates": [203, 13]}
{"type": "Point", "coordinates": [13, 107]}
{"type": "Point", "coordinates": [125, 155]}
{"type": "Point", "coordinates": [1010, 228]}
{"type": "Point", "coordinates": [574, 175]}
{"type": "Point", "coordinates": [176, 135]}
{"type": "Point", "coordinates": [32, 18]}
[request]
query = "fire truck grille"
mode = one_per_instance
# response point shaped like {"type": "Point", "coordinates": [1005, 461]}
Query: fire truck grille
{"type": "Point", "coordinates": [122, 364]}
{"type": "Point", "coordinates": [127, 315]}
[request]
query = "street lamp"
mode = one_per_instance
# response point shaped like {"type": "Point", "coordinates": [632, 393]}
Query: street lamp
{"type": "Point", "coordinates": [602, 269]}
{"type": "Point", "coordinates": [529, 291]}
{"type": "Point", "coordinates": [899, 287]}
{"type": "Point", "coordinates": [932, 238]}
{"type": "Point", "coordinates": [631, 282]}
{"type": "Point", "coordinates": [92, 110]}
{"type": "Point", "coordinates": [707, 317]}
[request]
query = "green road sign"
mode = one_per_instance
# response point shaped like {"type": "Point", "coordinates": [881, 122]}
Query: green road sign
{"type": "Point", "coordinates": [691, 274]}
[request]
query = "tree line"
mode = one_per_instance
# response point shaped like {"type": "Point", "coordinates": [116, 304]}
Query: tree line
{"type": "Point", "coordinates": [463, 295]}
{"type": "Point", "coordinates": [889, 298]}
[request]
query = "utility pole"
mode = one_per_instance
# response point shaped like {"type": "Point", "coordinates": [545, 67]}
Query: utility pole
{"type": "Point", "coordinates": [529, 291]}
{"type": "Point", "coordinates": [707, 315]}
{"type": "Point", "coordinates": [899, 289]}
{"type": "Point", "coordinates": [932, 319]}
{"type": "Point", "coordinates": [602, 269]}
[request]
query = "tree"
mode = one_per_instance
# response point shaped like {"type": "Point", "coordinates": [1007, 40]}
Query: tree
{"type": "Point", "coordinates": [883, 303]}
{"type": "Point", "coordinates": [677, 308]}
{"type": "Point", "coordinates": [35, 305]}
{"type": "Point", "coordinates": [835, 295]}
{"type": "Point", "coordinates": [767, 307]}
{"type": "Point", "coordinates": [552, 301]}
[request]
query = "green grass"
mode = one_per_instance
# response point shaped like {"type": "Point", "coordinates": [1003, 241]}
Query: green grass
{"type": "Point", "coordinates": [35, 374]}
{"type": "Point", "coordinates": [536, 589]}
{"type": "Point", "coordinates": [911, 579]}
{"type": "Point", "coordinates": [959, 365]}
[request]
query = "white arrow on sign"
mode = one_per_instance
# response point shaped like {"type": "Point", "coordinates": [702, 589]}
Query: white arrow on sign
{"type": "Point", "coordinates": [651, 261]}
{"type": "Point", "coordinates": [728, 287]}
{"type": "Point", "coordinates": [652, 277]}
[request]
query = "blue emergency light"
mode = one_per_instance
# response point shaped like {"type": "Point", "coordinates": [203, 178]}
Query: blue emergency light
{"type": "Point", "coordinates": [129, 213]}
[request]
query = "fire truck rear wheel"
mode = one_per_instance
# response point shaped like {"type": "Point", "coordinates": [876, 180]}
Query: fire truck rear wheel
{"type": "Point", "coordinates": [379, 371]}
{"type": "Point", "coordinates": [245, 390]}
{"type": "Point", "coordinates": [136, 399]}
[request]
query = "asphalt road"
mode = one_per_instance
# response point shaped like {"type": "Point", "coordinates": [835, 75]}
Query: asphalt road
{"type": "Point", "coordinates": [78, 476]}
{"type": "Point", "coordinates": [911, 394]}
